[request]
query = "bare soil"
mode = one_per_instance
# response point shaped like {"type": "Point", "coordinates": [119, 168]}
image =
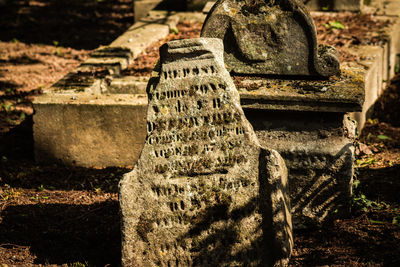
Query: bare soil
{"type": "Point", "coordinates": [343, 30]}
{"type": "Point", "coordinates": [55, 215]}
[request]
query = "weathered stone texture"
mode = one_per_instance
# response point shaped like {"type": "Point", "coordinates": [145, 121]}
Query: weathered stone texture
{"type": "Point", "coordinates": [269, 37]}
{"type": "Point", "coordinates": [319, 154]}
{"type": "Point", "coordinates": [203, 192]}
{"type": "Point", "coordinates": [77, 132]}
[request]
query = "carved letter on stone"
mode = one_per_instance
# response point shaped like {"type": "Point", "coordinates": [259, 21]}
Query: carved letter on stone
{"type": "Point", "coordinates": [203, 192]}
{"type": "Point", "coordinates": [269, 37]}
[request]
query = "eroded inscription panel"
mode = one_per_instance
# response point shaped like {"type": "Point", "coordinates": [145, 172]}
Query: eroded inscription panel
{"type": "Point", "coordinates": [194, 197]}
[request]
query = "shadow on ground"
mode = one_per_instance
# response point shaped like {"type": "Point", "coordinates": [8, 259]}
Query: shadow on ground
{"type": "Point", "coordinates": [387, 108]}
{"type": "Point", "coordinates": [32, 230]}
{"type": "Point", "coordinates": [381, 184]}
{"type": "Point", "coordinates": [18, 168]}
{"type": "Point", "coordinates": [365, 237]}
{"type": "Point", "coordinates": [349, 241]}
{"type": "Point", "coordinates": [61, 233]}
{"type": "Point", "coordinates": [75, 23]}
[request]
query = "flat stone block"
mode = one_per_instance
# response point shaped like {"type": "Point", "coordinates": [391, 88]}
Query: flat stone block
{"type": "Point", "coordinates": [127, 85]}
{"type": "Point", "coordinates": [338, 94]}
{"type": "Point", "coordinates": [142, 7]}
{"type": "Point", "coordinates": [113, 64]}
{"type": "Point", "coordinates": [138, 37]}
{"type": "Point", "coordinates": [89, 131]}
{"type": "Point", "coordinates": [372, 68]}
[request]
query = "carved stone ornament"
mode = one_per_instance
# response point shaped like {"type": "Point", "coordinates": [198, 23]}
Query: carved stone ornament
{"type": "Point", "coordinates": [269, 37]}
{"type": "Point", "coordinates": [203, 192]}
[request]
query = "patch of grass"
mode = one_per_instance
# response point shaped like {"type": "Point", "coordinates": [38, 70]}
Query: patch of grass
{"type": "Point", "coordinates": [334, 25]}
{"type": "Point", "coordinates": [383, 137]}
{"type": "Point", "coordinates": [360, 202]}
{"type": "Point", "coordinates": [360, 163]}
{"type": "Point", "coordinates": [79, 264]}
{"type": "Point", "coordinates": [396, 219]}
{"type": "Point", "coordinates": [9, 193]}
{"type": "Point", "coordinates": [174, 30]}
{"type": "Point", "coordinates": [373, 122]}
{"type": "Point", "coordinates": [7, 106]}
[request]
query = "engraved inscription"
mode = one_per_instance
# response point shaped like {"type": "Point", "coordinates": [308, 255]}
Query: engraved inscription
{"type": "Point", "coordinates": [196, 185]}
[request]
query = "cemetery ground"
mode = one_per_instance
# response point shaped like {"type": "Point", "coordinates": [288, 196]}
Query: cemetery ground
{"type": "Point", "coordinates": [58, 215]}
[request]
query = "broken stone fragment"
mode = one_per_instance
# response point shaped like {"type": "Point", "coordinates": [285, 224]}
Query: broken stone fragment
{"type": "Point", "coordinates": [203, 192]}
{"type": "Point", "coordinates": [269, 37]}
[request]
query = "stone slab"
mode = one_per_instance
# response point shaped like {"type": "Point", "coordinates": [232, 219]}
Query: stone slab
{"type": "Point", "coordinates": [76, 130]}
{"type": "Point", "coordinates": [203, 192]}
{"type": "Point", "coordinates": [113, 58]}
{"type": "Point", "coordinates": [338, 94]}
{"type": "Point", "coordinates": [122, 51]}
{"type": "Point", "coordinates": [127, 85]}
{"type": "Point", "coordinates": [378, 65]}
{"type": "Point", "coordinates": [372, 66]}
{"type": "Point", "coordinates": [138, 37]}
{"type": "Point", "coordinates": [385, 7]}
{"type": "Point", "coordinates": [394, 46]}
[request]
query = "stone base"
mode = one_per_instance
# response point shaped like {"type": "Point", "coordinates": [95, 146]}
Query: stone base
{"type": "Point", "coordinates": [77, 130]}
{"type": "Point", "coordinates": [319, 155]}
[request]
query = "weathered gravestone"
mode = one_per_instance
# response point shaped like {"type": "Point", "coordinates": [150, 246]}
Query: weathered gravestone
{"type": "Point", "coordinates": [301, 117]}
{"type": "Point", "coordinates": [275, 37]}
{"type": "Point", "coordinates": [203, 192]}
